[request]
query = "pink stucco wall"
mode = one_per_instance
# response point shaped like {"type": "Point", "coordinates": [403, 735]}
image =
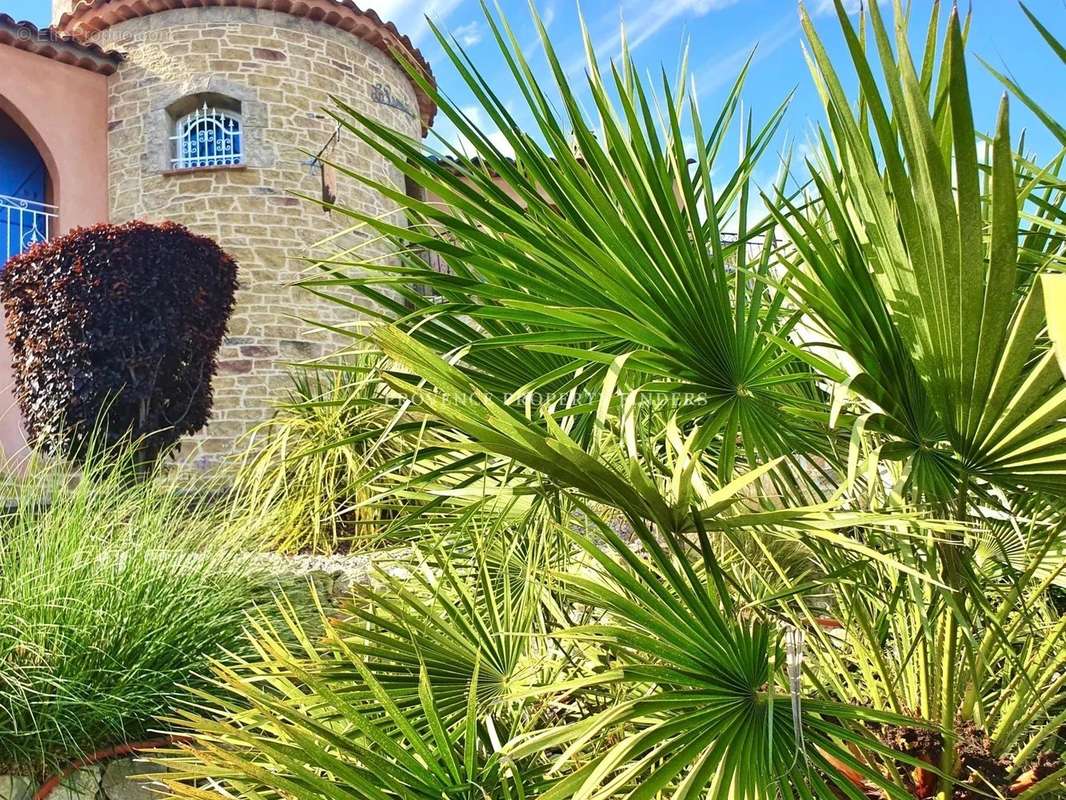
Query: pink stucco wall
{"type": "Point", "coordinates": [63, 110]}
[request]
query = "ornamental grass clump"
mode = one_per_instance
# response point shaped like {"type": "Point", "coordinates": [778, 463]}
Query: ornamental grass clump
{"type": "Point", "coordinates": [115, 332]}
{"type": "Point", "coordinates": [114, 596]}
{"type": "Point", "coordinates": [314, 463]}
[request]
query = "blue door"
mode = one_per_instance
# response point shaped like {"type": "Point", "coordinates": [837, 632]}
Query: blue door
{"type": "Point", "coordinates": [24, 218]}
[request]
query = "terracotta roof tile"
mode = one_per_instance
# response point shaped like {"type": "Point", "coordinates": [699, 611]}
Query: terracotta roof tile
{"type": "Point", "coordinates": [89, 17]}
{"type": "Point", "coordinates": [51, 44]}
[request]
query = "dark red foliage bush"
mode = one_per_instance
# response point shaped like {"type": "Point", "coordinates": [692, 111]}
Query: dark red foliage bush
{"type": "Point", "coordinates": [115, 332]}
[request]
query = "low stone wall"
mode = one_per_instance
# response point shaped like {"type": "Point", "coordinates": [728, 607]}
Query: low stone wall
{"type": "Point", "coordinates": [122, 779]}
{"type": "Point", "coordinates": [331, 576]}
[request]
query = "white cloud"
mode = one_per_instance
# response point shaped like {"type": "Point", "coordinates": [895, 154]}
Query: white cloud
{"type": "Point", "coordinates": [500, 142]}
{"type": "Point", "coordinates": [724, 69]}
{"type": "Point", "coordinates": [533, 46]}
{"type": "Point", "coordinates": [410, 15]}
{"type": "Point", "coordinates": [469, 34]}
{"type": "Point", "coordinates": [459, 140]}
{"type": "Point", "coordinates": [548, 17]}
{"type": "Point", "coordinates": [650, 18]}
{"type": "Point", "coordinates": [655, 16]}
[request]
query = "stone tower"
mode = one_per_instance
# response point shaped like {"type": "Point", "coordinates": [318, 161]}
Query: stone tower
{"type": "Point", "coordinates": [265, 69]}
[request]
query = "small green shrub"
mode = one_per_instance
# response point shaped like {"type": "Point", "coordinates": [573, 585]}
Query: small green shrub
{"type": "Point", "coordinates": [114, 595]}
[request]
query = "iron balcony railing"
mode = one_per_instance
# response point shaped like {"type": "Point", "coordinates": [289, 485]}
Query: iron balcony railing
{"type": "Point", "coordinates": [23, 223]}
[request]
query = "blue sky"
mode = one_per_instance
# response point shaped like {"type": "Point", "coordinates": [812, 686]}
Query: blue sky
{"type": "Point", "coordinates": [720, 34]}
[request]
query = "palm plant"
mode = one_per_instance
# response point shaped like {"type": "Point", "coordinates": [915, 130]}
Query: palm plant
{"type": "Point", "coordinates": [452, 617]}
{"type": "Point", "coordinates": [412, 693]}
{"type": "Point", "coordinates": [923, 260]}
{"type": "Point", "coordinates": [602, 280]}
{"type": "Point", "coordinates": [603, 269]}
{"type": "Point", "coordinates": [912, 264]}
{"type": "Point", "coordinates": [706, 712]}
{"type": "Point", "coordinates": [273, 740]}
{"type": "Point", "coordinates": [1003, 694]}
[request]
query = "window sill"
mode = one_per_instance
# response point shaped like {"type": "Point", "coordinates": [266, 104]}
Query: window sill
{"type": "Point", "coordinates": [193, 170]}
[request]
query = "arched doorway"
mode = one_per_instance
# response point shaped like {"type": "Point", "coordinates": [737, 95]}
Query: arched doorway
{"type": "Point", "coordinates": [26, 215]}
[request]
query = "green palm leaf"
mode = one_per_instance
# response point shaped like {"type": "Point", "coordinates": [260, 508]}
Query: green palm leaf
{"type": "Point", "coordinates": [913, 267]}
{"type": "Point", "coordinates": [706, 718]}
{"type": "Point", "coordinates": [602, 269]}
{"type": "Point", "coordinates": [284, 726]}
{"type": "Point", "coordinates": [452, 619]}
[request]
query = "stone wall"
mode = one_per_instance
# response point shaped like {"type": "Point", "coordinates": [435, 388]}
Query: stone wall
{"type": "Point", "coordinates": [122, 779]}
{"type": "Point", "coordinates": [282, 70]}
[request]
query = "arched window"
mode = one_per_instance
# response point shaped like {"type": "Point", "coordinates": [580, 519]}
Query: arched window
{"type": "Point", "coordinates": [207, 137]}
